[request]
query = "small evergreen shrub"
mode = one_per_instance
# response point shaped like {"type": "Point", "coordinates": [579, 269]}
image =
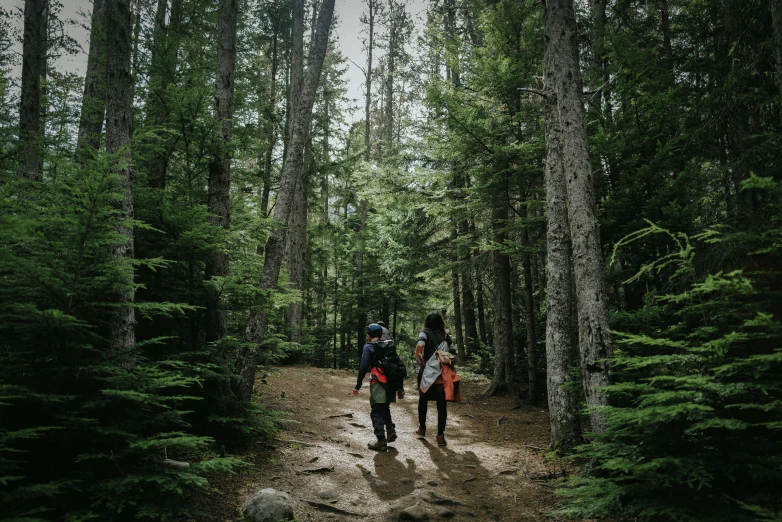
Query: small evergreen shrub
{"type": "Point", "coordinates": [85, 432]}
{"type": "Point", "coordinates": [694, 426]}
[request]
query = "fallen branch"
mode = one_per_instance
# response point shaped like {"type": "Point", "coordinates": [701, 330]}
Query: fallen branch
{"type": "Point", "coordinates": [341, 415]}
{"type": "Point", "coordinates": [302, 443]}
{"type": "Point", "coordinates": [324, 469]}
{"type": "Point", "coordinates": [499, 421]}
{"type": "Point", "coordinates": [444, 501]}
{"type": "Point", "coordinates": [175, 464]}
{"type": "Point", "coordinates": [531, 446]}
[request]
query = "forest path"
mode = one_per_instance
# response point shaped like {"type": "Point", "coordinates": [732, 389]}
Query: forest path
{"type": "Point", "coordinates": [492, 468]}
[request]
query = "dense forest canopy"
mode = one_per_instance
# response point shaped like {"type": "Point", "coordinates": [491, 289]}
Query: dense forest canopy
{"type": "Point", "coordinates": [589, 191]}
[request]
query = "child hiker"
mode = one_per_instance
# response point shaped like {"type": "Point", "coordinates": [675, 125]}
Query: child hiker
{"type": "Point", "coordinates": [381, 392]}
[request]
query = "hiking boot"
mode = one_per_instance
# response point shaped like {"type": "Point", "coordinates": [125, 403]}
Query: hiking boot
{"type": "Point", "coordinates": [391, 435]}
{"type": "Point", "coordinates": [441, 440]}
{"type": "Point", "coordinates": [420, 432]}
{"type": "Point", "coordinates": [380, 445]}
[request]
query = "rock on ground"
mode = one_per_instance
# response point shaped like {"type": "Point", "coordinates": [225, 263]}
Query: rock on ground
{"type": "Point", "coordinates": [268, 505]}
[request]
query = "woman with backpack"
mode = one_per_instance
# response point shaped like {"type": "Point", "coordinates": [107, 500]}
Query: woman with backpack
{"type": "Point", "coordinates": [445, 386]}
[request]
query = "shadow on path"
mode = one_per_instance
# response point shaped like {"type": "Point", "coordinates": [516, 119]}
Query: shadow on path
{"type": "Point", "coordinates": [392, 479]}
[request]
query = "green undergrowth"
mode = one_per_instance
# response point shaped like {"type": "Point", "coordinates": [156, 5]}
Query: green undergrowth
{"type": "Point", "coordinates": [694, 426]}
{"type": "Point", "coordinates": [85, 429]}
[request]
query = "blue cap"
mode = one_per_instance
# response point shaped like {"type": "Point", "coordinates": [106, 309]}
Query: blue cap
{"type": "Point", "coordinates": [374, 330]}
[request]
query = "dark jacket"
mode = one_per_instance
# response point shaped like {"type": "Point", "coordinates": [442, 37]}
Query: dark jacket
{"type": "Point", "coordinates": [375, 374]}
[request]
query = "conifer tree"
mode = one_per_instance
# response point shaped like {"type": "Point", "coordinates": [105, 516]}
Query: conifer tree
{"type": "Point", "coordinates": [118, 121]}
{"type": "Point", "coordinates": [302, 94]}
{"type": "Point", "coordinates": [219, 197]}
{"type": "Point", "coordinates": [594, 337]}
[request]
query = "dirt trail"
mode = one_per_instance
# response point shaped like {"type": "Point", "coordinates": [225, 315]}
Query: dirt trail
{"type": "Point", "coordinates": [492, 468]}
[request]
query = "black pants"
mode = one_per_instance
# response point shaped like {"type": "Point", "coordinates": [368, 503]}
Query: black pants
{"type": "Point", "coordinates": [381, 419]}
{"type": "Point", "coordinates": [437, 394]}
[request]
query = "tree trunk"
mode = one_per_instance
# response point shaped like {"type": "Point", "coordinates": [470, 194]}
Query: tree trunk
{"type": "Point", "coordinates": [776, 18]}
{"type": "Point", "coordinates": [561, 353]}
{"type": "Point", "coordinates": [451, 53]}
{"type": "Point", "coordinates": [33, 68]}
{"type": "Point", "coordinates": [301, 118]}
{"type": "Point", "coordinates": [162, 73]}
{"type": "Point", "coordinates": [468, 299]}
{"type": "Point", "coordinates": [529, 313]}
{"type": "Point", "coordinates": [482, 329]}
{"type": "Point", "coordinates": [118, 118]}
{"type": "Point", "coordinates": [503, 315]}
{"type": "Point", "coordinates": [219, 197]}
{"type": "Point", "coordinates": [361, 316]}
{"type": "Point", "coordinates": [599, 72]}
{"type": "Point", "coordinates": [565, 78]}
{"type": "Point", "coordinates": [388, 100]}
{"type": "Point", "coordinates": [296, 249]}
{"type": "Point", "coordinates": [370, 21]}
{"type": "Point", "coordinates": [457, 305]}
{"type": "Point", "coordinates": [271, 126]}
{"type": "Point", "coordinates": [93, 104]}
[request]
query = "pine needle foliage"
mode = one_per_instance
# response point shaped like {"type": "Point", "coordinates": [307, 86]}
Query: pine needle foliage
{"type": "Point", "coordinates": [85, 431]}
{"type": "Point", "coordinates": [694, 426]}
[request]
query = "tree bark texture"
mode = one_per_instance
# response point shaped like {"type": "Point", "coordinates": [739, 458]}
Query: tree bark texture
{"type": "Point", "coordinates": [360, 312]}
{"type": "Point", "coordinates": [457, 304]}
{"type": "Point", "coordinates": [370, 21]}
{"type": "Point", "coordinates": [33, 68]}
{"type": "Point", "coordinates": [776, 19]}
{"type": "Point", "coordinates": [483, 331]}
{"type": "Point", "coordinates": [599, 72]}
{"type": "Point", "coordinates": [295, 252]}
{"type": "Point", "coordinates": [118, 121]}
{"type": "Point", "coordinates": [593, 329]}
{"type": "Point", "coordinates": [468, 299]}
{"type": "Point", "coordinates": [529, 314]}
{"type": "Point", "coordinates": [451, 53]}
{"type": "Point", "coordinates": [301, 119]}
{"type": "Point", "coordinates": [93, 105]}
{"type": "Point", "coordinates": [219, 197]}
{"type": "Point", "coordinates": [503, 314]}
{"type": "Point", "coordinates": [162, 74]}
{"type": "Point", "coordinates": [396, 12]}
{"type": "Point", "coordinates": [271, 124]}
{"type": "Point", "coordinates": [561, 352]}
{"type": "Point", "coordinates": [361, 315]}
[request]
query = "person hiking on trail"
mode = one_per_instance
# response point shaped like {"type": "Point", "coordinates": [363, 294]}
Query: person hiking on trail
{"type": "Point", "coordinates": [381, 392]}
{"type": "Point", "coordinates": [437, 380]}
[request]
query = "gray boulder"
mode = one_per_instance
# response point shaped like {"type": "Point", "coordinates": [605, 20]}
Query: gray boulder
{"type": "Point", "coordinates": [268, 505]}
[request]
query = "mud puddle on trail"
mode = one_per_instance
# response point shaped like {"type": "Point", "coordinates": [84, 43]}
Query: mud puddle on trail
{"type": "Point", "coordinates": [491, 469]}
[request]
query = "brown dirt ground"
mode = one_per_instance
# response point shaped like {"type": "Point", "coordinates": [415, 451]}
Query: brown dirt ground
{"type": "Point", "coordinates": [493, 468]}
